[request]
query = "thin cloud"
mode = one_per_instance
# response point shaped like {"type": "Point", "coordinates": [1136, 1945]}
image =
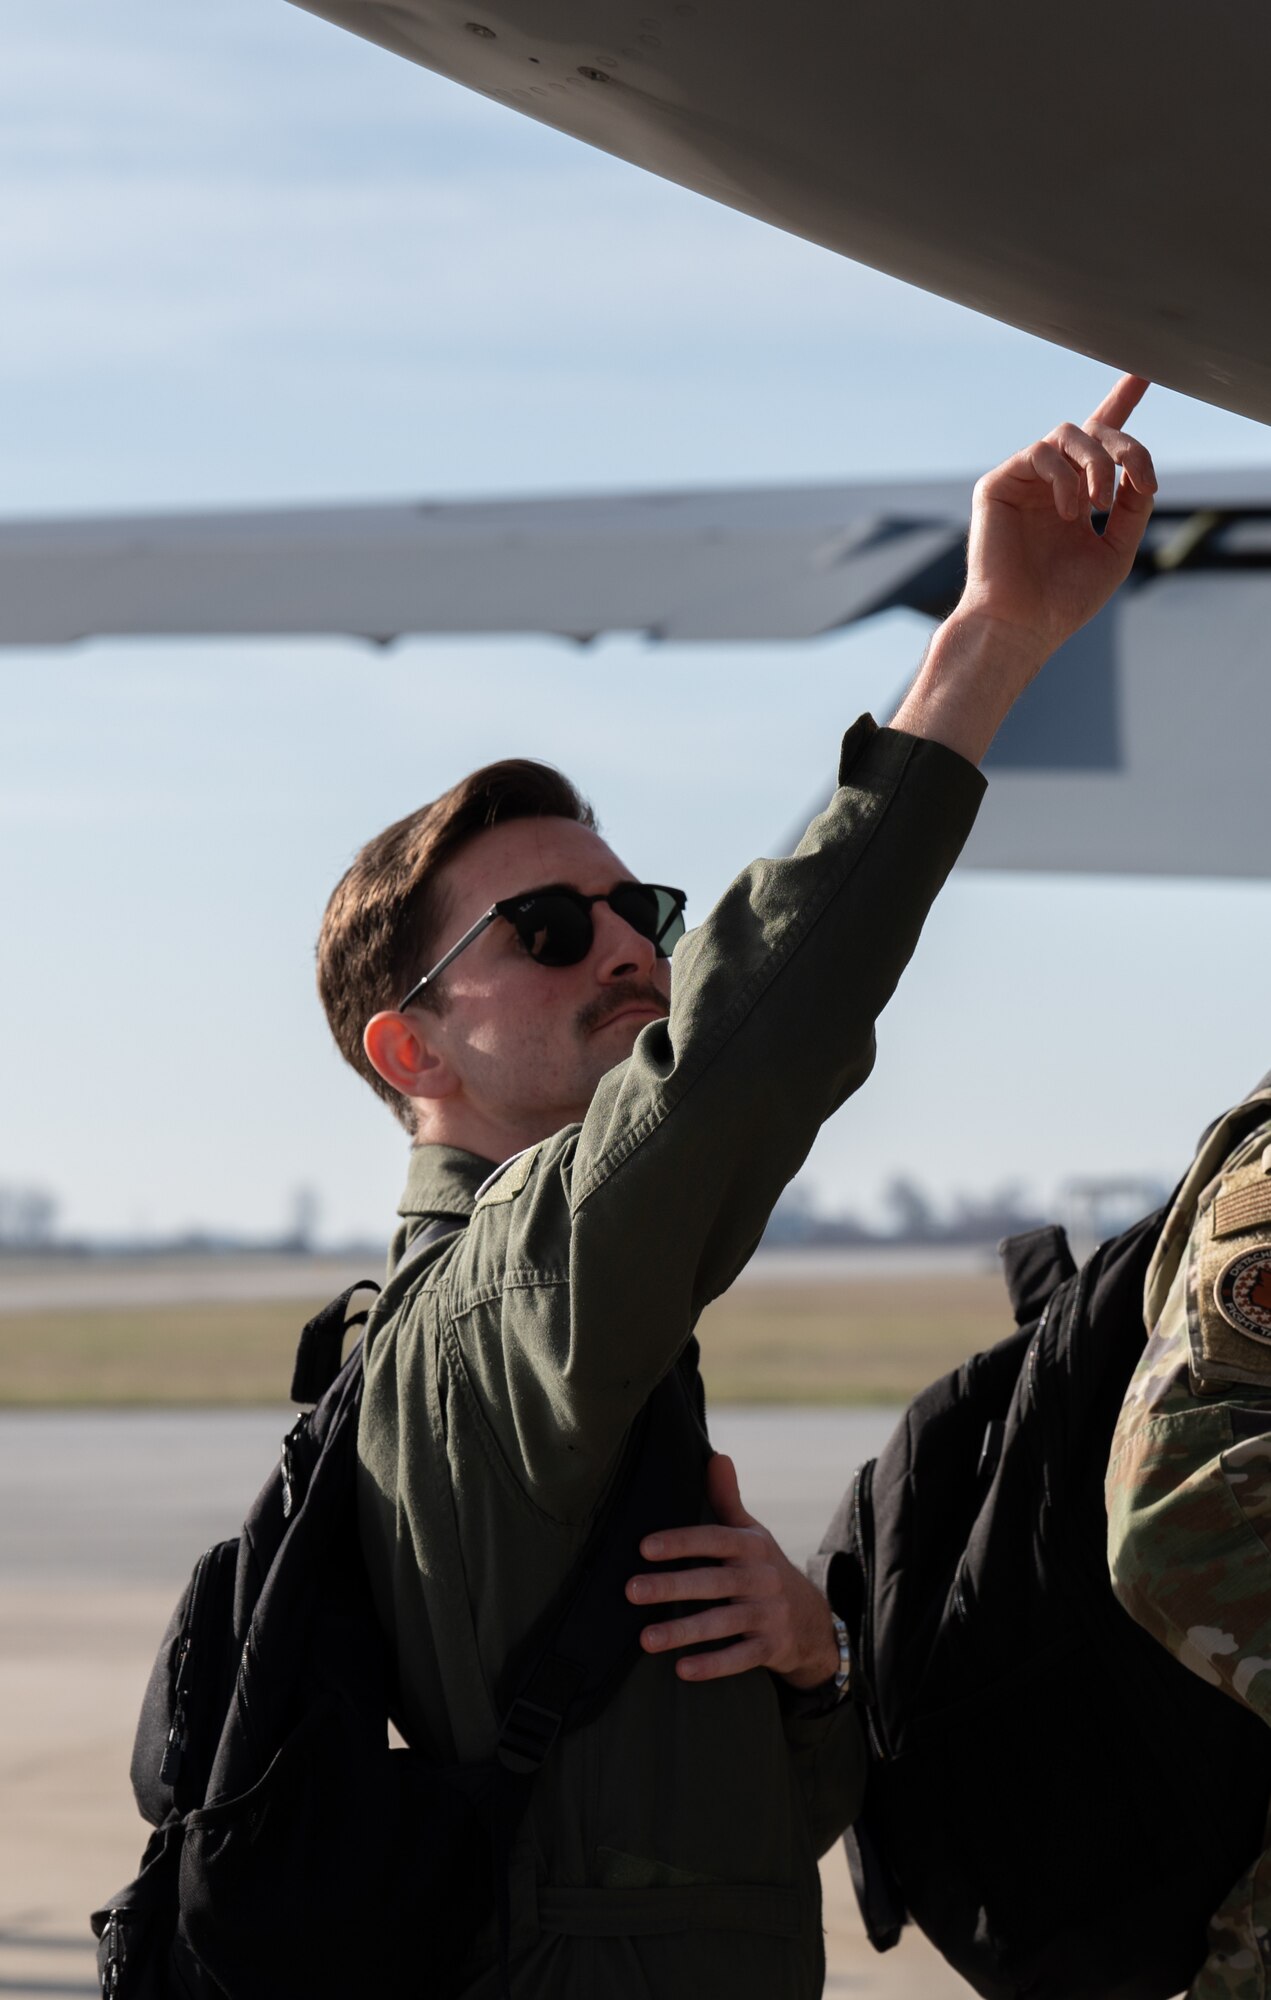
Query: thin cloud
{"type": "Point", "coordinates": [111, 271]}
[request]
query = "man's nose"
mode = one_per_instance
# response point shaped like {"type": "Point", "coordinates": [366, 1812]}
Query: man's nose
{"type": "Point", "coordinates": [621, 951]}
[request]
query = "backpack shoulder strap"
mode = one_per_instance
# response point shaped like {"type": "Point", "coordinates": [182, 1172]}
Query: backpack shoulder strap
{"type": "Point", "coordinates": [581, 1646]}
{"type": "Point", "coordinates": [321, 1343]}
{"type": "Point", "coordinates": [596, 1634]}
{"type": "Point", "coordinates": [1034, 1265]}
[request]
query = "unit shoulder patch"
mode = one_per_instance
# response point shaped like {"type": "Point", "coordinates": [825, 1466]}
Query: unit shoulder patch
{"type": "Point", "coordinates": [1229, 1278]}
{"type": "Point", "coordinates": [1242, 1292]}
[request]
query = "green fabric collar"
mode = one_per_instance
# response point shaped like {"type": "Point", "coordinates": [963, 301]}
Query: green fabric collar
{"type": "Point", "coordinates": [442, 1180]}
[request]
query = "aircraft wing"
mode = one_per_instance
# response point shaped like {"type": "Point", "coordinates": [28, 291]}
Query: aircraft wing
{"type": "Point", "coordinates": [769, 563]}
{"type": "Point", "coordinates": [775, 564]}
{"type": "Point", "coordinates": [1141, 749]}
{"type": "Point", "coordinates": [1099, 176]}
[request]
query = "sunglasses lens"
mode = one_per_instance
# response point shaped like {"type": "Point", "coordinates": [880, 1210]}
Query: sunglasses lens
{"type": "Point", "coordinates": [656, 913]}
{"type": "Point", "coordinates": [555, 930]}
{"type": "Point", "coordinates": [555, 926]}
{"type": "Point", "coordinates": [671, 925]}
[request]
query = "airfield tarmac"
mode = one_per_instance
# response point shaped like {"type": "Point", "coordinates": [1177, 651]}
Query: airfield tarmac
{"type": "Point", "coordinates": [102, 1514]}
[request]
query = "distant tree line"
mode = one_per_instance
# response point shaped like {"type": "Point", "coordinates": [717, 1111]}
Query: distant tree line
{"type": "Point", "coordinates": [912, 1216]}
{"type": "Point", "coordinates": [29, 1220]}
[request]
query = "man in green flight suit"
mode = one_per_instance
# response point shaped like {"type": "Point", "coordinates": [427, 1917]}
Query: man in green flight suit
{"type": "Point", "coordinates": [1189, 1477]}
{"type": "Point", "coordinates": [609, 1143]}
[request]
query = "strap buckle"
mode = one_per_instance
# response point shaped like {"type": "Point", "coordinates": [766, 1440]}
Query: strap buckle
{"type": "Point", "coordinates": [527, 1735]}
{"type": "Point", "coordinates": [537, 1716]}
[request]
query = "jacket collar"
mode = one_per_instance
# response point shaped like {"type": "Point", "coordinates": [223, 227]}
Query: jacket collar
{"type": "Point", "coordinates": [441, 1180]}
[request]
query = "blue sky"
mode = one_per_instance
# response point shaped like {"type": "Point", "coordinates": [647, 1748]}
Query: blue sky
{"type": "Point", "coordinates": [245, 257]}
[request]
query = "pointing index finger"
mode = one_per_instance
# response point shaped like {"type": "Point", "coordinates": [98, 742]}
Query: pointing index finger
{"type": "Point", "coordinates": [1119, 402]}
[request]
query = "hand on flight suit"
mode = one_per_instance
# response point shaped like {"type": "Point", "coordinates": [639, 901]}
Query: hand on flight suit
{"type": "Point", "coordinates": [765, 1608]}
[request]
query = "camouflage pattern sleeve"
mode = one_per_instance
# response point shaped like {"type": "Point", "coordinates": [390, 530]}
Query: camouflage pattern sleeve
{"type": "Point", "coordinates": [1189, 1516]}
{"type": "Point", "coordinates": [1239, 1963]}
{"type": "Point", "coordinates": [1189, 1481]}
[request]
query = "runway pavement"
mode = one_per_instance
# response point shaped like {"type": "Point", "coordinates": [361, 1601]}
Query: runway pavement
{"type": "Point", "coordinates": [38, 1282]}
{"type": "Point", "coordinates": [101, 1518]}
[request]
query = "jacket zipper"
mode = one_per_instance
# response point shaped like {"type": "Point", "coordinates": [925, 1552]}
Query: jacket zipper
{"type": "Point", "coordinates": [1030, 1359]}
{"type": "Point", "coordinates": [112, 1963]}
{"type": "Point", "coordinates": [296, 1467]}
{"type": "Point", "coordinates": [174, 1748]}
{"type": "Point", "coordinates": [863, 1536]}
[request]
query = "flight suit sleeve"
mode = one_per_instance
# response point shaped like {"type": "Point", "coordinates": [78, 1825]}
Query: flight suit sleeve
{"type": "Point", "coordinates": [826, 1741]}
{"type": "Point", "coordinates": [650, 1209]}
{"type": "Point", "coordinates": [1189, 1498]}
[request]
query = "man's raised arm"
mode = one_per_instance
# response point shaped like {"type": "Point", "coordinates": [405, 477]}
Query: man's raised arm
{"type": "Point", "coordinates": [1037, 570]}
{"type": "Point", "coordinates": [686, 1146]}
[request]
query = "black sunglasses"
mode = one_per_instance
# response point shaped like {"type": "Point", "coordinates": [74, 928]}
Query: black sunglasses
{"type": "Point", "coordinates": [555, 926]}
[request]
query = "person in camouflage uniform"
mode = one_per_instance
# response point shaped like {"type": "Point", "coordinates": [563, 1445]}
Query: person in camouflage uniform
{"type": "Point", "coordinates": [1189, 1477]}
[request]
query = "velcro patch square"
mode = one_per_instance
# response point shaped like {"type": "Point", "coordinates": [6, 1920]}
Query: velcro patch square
{"type": "Point", "coordinates": [1247, 1207]}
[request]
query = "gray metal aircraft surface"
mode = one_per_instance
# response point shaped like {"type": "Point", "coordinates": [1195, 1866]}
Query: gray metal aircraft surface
{"type": "Point", "coordinates": [1099, 175]}
{"type": "Point", "coordinates": [1141, 750]}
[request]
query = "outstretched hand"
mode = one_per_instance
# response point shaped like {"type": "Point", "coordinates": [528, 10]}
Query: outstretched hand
{"type": "Point", "coordinates": [1037, 570]}
{"type": "Point", "coordinates": [1035, 564]}
{"type": "Point", "coordinates": [765, 1608]}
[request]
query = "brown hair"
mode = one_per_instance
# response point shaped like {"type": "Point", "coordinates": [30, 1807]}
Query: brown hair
{"type": "Point", "coordinates": [379, 930]}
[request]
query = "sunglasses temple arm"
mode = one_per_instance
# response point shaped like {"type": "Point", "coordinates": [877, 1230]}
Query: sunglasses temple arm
{"type": "Point", "coordinates": [482, 923]}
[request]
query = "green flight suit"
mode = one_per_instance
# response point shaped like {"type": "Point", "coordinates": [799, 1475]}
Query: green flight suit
{"type": "Point", "coordinates": [1189, 1478]}
{"type": "Point", "coordinates": [670, 1847]}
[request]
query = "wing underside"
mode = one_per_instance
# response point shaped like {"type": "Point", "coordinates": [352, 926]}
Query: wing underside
{"type": "Point", "coordinates": [1099, 176]}
{"type": "Point", "coordinates": [765, 564]}
{"type": "Point", "coordinates": [760, 565]}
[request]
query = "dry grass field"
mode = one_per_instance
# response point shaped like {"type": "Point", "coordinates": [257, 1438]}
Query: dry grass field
{"type": "Point", "coordinates": [858, 1340]}
{"type": "Point", "coordinates": [209, 1351]}
{"type": "Point", "coordinates": [852, 1340]}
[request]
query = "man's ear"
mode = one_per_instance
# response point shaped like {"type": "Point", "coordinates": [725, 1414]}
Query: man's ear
{"type": "Point", "coordinates": [400, 1049]}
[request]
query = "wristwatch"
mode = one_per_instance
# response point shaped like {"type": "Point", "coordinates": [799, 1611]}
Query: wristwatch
{"type": "Point", "coordinates": [843, 1678]}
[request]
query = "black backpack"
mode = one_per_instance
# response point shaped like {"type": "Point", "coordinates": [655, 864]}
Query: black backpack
{"type": "Point", "coordinates": [1052, 1798]}
{"type": "Point", "coordinates": [295, 1853]}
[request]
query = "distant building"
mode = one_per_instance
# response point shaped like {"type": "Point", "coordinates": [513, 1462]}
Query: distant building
{"type": "Point", "coordinates": [28, 1218]}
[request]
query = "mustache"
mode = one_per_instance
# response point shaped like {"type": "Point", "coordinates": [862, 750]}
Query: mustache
{"type": "Point", "coordinates": [622, 995]}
